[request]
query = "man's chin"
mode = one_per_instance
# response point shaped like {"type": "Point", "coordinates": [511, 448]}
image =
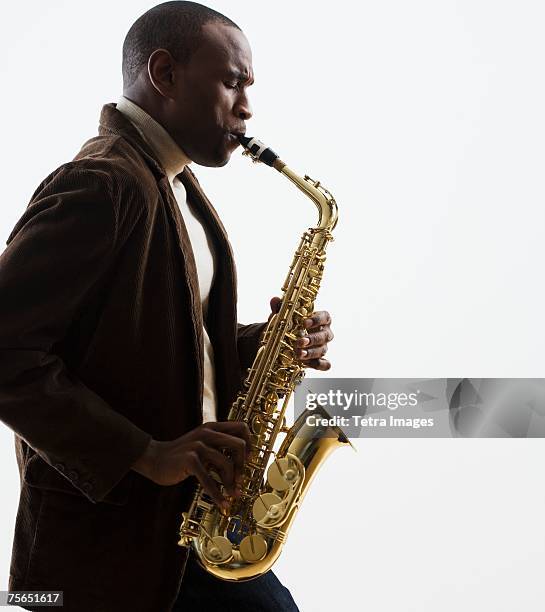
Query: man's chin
{"type": "Point", "coordinates": [224, 161]}
{"type": "Point", "coordinates": [217, 162]}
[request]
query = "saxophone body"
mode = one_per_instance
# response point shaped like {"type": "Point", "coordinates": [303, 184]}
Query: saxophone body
{"type": "Point", "coordinates": [245, 542]}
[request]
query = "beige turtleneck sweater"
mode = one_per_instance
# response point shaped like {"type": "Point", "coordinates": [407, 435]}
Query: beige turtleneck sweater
{"type": "Point", "coordinates": [173, 160]}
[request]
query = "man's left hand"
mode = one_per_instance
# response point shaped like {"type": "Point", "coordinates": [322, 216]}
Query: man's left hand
{"type": "Point", "coordinates": [311, 348]}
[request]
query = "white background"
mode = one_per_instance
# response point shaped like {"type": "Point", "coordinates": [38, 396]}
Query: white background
{"type": "Point", "coordinates": [425, 119]}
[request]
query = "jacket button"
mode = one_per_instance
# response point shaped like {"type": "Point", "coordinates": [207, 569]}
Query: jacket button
{"type": "Point", "coordinates": [59, 466]}
{"type": "Point", "coordinates": [86, 486]}
{"type": "Point", "coordinates": [73, 475]}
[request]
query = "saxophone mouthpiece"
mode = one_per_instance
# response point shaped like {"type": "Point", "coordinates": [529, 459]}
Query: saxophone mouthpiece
{"type": "Point", "coordinates": [257, 150]}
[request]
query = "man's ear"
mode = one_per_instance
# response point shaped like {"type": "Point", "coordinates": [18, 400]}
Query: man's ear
{"type": "Point", "coordinates": [162, 72]}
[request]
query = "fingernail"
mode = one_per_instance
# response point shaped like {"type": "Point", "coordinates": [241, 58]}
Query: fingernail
{"type": "Point", "coordinates": [308, 322]}
{"type": "Point", "coordinates": [304, 341]}
{"type": "Point", "coordinates": [304, 353]}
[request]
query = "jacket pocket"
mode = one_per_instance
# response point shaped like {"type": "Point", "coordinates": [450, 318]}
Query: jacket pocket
{"type": "Point", "coordinates": [38, 473]}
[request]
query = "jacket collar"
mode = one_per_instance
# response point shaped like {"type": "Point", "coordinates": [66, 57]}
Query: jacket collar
{"type": "Point", "coordinates": [168, 152]}
{"type": "Point", "coordinates": [113, 121]}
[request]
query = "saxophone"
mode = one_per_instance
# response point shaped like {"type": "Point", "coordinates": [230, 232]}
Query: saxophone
{"type": "Point", "coordinates": [244, 542]}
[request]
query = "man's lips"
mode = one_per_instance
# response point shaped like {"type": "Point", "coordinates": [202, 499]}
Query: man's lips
{"type": "Point", "coordinates": [237, 133]}
{"type": "Point", "coordinates": [233, 137]}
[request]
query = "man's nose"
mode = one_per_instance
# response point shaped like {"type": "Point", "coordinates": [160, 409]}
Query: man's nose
{"type": "Point", "coordinates": [243, 109]}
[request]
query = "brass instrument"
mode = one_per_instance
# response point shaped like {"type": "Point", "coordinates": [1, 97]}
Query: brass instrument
{"type": "Point", "coordinates": [244, 542]}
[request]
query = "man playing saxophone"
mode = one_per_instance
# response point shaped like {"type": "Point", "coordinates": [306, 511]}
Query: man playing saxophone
{"type": "Point", "coordinates": [120, 352]}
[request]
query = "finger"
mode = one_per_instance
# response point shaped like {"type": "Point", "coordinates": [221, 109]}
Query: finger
{"type": "Point", "coordinates": [209, 485]}
{"type": "Point", "coordinates": [318, 364]}
{"type": "Point", "coordinates": [316, 338]}
{"type": "Point", "coordinates": [312, 353]}
{"type": "Point", "coordinates": [220, 464]}
{"type": "Point", "coordinates": [316, 319]}
{"type": "Point", "coordinates": [238, 429]}
{"type": "Point", "coordinates": [275, 304]}
{"type": "Point", "coordinates": [237, 449]}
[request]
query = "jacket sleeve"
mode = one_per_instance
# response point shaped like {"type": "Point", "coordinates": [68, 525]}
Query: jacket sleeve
{"type": "Point", "coordinates": [248, 337]}
{"type": "Point", "coordinates": [56, 255]}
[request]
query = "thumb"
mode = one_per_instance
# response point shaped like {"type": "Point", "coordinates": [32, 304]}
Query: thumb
{"type": "Point", "coordinates": [275, 305]}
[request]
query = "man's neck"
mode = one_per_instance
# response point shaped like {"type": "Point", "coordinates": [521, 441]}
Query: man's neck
{"type": "Point", "coordinates": [170, 155]}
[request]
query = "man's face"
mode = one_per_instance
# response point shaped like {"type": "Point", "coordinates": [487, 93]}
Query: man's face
{"type": "Point", "coordinates": [211, 105]}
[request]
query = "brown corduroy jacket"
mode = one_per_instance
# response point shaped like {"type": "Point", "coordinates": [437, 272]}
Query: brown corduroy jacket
{"type": "Point", "coordinates": [101, 350]}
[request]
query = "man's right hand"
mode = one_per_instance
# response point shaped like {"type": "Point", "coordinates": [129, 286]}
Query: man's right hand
{"type": "Point", "coordinates": [196, 453]}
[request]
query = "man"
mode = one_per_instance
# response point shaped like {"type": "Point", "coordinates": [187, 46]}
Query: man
{"type": "Point", "coordinates": [119, 348]}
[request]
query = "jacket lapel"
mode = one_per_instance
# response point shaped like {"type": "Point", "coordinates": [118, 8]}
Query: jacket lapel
{"type": "Point", "coordinates": [190, 267]}
{"type": "Point", "coordinates": [112, 121]}
{"type": "Point", "coordinates": [221, 322]}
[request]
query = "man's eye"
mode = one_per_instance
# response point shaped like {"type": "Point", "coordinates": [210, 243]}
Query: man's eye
{"type": "Point", "coordinates": [232, 85]}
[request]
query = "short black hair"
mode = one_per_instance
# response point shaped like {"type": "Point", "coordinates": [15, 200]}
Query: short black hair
{"type": "Point", "coordinates": [175, 26]}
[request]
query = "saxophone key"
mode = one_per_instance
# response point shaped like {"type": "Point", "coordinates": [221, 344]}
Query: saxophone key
{"type": "Point", "coordinates": [253, 548]}
{"type": "Point", "coordinates": [282, 474]}
{"type": "Point", "coordinates": [268, 506]}
{"type": "Point", "coordinates": [218, 549]}
{"type": "Point", "coordinates": [257, 425]}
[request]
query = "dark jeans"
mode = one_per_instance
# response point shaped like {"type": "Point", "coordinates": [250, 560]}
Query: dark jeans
{"type": "Point", "coordinates": [201, 592]}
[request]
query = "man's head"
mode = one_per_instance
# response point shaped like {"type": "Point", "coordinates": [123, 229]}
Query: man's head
{"type": "Point", "coordinates": [188, 67]}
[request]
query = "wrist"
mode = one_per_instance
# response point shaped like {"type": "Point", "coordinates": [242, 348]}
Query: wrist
{"type": "Point", "coordinates": [145, 464]}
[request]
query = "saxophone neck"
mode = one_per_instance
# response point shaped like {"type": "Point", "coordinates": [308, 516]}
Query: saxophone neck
{"type": "Point", "coordinates": [322, 198]}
